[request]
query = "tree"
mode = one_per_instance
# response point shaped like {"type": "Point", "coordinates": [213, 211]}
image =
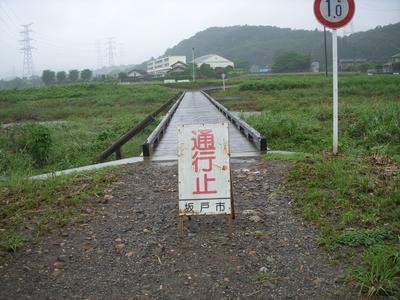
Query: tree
{"type": "Point", "coordinates": [188, 72]}
{"type": "Point", "coordinates": [364, 68]}
{"type": "Point", "coordinates": [228, 69]}
{"type": "Point", "coordinates": [219, 71]}
{"type": "Point", "coordinates": [291, 61]}
{"type": "Point", "coordinates": [206, 71]}
{"type": "Point", "coordinates": [122, 76]}
{"type": "Point", "coordinates": [242, 64]}
{"type": "Point", "coordinates": [86, 75]}
{"type": "Point", "coordinates": [48, 77]}
{"type": "Point", "coordinates": [73, 75]}
{"type": "Point", "coordinates": [61, 76]}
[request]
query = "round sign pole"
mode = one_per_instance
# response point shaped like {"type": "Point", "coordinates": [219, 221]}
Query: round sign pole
{"type": "Point", "coordinates": [335, 93]}
{"type": "Point", "coordinates": [334, 14]}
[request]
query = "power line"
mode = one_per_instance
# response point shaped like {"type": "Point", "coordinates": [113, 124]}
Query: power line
{"type": "Point", "coordinates": [27, 66]}
{"type": "Point", "coordinates": [8, 15]}
{"type": "Point", "coordinates": [111, 51]}
{"type": "Point", "coordinates": [99, 55]}
{"type": "Point", "coordinates": [121, 54]}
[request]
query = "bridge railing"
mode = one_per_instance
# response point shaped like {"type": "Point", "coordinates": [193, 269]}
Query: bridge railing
{"type": "Point", "coordinates": [116, 147]}
{"type": "Point", "coordinates": [252, 135]}
{"type": "Point", "coordinates": [155, 137]}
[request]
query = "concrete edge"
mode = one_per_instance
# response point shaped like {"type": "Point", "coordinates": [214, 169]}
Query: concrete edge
{"type": "Point", "coordinates": [120, 162]}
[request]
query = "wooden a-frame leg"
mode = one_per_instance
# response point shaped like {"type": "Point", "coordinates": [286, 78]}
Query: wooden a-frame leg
{"type": "Point", "coordinates": [232, 200]}
{"type": "Point", "coordinates": [181, 224]}
{"type": "Point", "coordinates": [229, 225]}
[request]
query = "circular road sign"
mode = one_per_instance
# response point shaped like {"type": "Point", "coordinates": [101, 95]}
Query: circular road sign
{"type": "Point", "coordinates": [334, 13]}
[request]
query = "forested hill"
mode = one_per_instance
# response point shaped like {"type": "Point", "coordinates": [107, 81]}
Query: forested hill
{"type": "Point", "coordinates": [260, 44]}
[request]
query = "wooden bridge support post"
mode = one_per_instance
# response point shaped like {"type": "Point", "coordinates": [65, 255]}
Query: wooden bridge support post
{"type": "Point", "coordinates": [118, 154]}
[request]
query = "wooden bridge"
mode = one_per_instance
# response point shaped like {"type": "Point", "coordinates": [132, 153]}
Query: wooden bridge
{"type": "Point", "coordinates": [197, 107]}
{"type": "Point", "coordinates": [192, 107]}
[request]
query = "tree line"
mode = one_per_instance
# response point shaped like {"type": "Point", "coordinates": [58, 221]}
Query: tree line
{"type": "Point", "coordinates": [50, 77]}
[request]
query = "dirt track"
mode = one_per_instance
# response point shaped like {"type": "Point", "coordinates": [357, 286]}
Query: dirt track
{"type": "Point", "coordinates": [127, 248]}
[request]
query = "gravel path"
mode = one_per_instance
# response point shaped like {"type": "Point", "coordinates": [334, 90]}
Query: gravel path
{"type": "Point", "coordinates": [127, 246]}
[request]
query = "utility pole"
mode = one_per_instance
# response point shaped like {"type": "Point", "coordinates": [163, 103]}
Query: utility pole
{"type": "Point", "coordinates": [27, 66]}
{"type": "Point", "coordinates": [110, 51]}
{"type": "Point", "coordinates": [326, 54]}
{"type": "Point", "coordinates": [194, 76]}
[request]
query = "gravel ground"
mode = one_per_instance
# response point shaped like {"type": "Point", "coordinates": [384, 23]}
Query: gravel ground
{"type": "Point", "coordinates": [127, 246]}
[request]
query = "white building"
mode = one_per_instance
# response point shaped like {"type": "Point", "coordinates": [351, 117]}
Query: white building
{"type": "Point", "coordinates": [134, 75]}
{"type": "Point", "coordinates": [315, 66]}
{"type": "Point", "coordinates": [160, 66]}
{"type": "Point", "coordinates": [214, 60]}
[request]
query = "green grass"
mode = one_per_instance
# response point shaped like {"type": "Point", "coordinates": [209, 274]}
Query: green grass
{"type": "Point", "coordinates": [289, 156]}
{"type": "Point", "coordinates": [61, 127]}
{"type": "Point", "coordinates": [359, 237]}
{"type": "Point", "coordinates": [204, 83]}
{"type": "Point", "coordinates": [11, 240]}
{"type": "Point", "coordinates": [380, 273]}
{"type": "Point", "coordinates": [30, 208]}
{"type": "Point", "coordinates": [354, 198]}
{"type": "Point", "coordinates": [299, 119]}
{"type": "Point", "coordinates": [89, 118]}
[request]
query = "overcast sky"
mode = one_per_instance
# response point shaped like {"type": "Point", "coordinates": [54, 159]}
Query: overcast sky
{"type": "Point", "coordinates": [67, 32]}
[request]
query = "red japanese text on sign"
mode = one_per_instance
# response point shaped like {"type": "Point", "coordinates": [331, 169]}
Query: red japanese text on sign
{"type": "Point", "coordinates": [204, 173]}
{"type": "Point", "coordinates": [203, 151]}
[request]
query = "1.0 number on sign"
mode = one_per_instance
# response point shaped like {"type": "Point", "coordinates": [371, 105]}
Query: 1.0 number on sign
{"type": "Point", "coordinates": [334, 13]}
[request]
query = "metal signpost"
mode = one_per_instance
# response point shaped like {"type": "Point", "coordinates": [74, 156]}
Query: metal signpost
{"type": "Point", "coordinates": [204, 172]}
{"type": "Point", "coordinates": [193, 67]}
{"type": "Point", "coordinates": [334, 14]}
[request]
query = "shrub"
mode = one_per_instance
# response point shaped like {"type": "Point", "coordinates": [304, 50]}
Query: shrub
{"type": "Point", "coordinates": [38, 143]}
{"type": "Point", "coordinates": [34, 139]}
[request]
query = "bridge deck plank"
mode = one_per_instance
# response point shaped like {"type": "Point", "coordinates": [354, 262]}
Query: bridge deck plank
{"type": "Point", "coordinates": [195, 108]}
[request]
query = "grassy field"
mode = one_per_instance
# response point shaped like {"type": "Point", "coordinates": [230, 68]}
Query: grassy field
{"type": "Point", "coordinates": [56, 128]}
{"type": "Point", "coordinates": [353, 198]}
{"type": "Point", "coordinates": [297, 112]}
{"type": "Point", "coordinates": [82, 120]}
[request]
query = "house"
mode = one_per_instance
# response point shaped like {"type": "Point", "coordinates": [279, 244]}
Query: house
{"type": "Point", "coordinates": [395, 58]}
{"type": "Point", "coordinates": [137, 74]}
{"type": "Point", "coordinates": [346, 63]}
{"type": "Point", "coordinates": [388, 67]}
{"type": "Point", "coordinates": [214, 60]}
{"type": "Point", "coordinates": [178, 67]}
{"type": "Point", "coordinates": [160, 66]}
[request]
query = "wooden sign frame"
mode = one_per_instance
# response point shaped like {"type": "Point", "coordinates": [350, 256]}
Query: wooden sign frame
{"type": "Point", "coordinates": [205, 177]}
